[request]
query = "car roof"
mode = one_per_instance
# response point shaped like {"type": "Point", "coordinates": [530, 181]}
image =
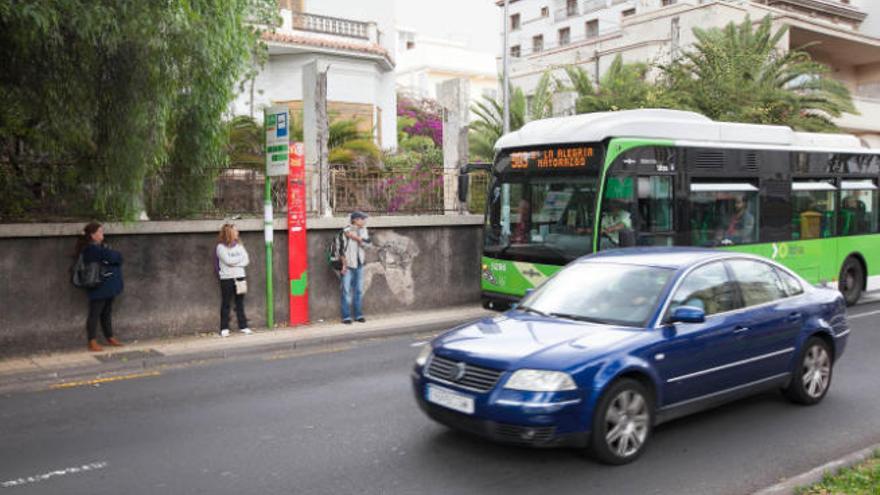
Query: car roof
{"type": "Point", "coordinates": [661, 257]}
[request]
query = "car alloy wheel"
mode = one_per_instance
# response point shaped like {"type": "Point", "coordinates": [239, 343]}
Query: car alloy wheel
{"type": "Point", "coordinates": [812, 377]}
{"type": "Point", "coordinates": [816, 371]}
{"type": "Point", "coordinates": [622, 422]}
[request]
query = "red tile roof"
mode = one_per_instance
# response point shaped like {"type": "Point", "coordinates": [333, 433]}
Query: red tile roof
{"type": "Point", "coordinates": [293, 39]}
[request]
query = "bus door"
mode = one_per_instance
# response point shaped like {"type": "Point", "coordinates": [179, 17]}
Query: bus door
{"type": "Point", "coordinates": [638, 199]}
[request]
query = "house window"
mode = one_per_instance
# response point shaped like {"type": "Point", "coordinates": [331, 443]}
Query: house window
{"type": "Point", "coordinates": [545, 11]}
{"type": "Point", "coordinates": [538, 43]}
{"type": "Point", "coordinates": [514, 51]}
{"type": "Point", "coordinates": [410, 45]}
{"type": "Point", "coordinates": [564, 36]}
{"type": "Point", "coordinates": [667, 3]}
{"type": "Point", "coordinates": [514, 22]}
{"type": "Point", "coordinates": [593, 28]}
{"type": "Point", "coordinates": [628, 12]}
{"type": "Point", "coordinates": [571, 7]}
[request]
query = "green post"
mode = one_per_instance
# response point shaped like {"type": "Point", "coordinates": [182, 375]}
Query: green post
{"type": "Point", "coordinates": [268, 226]}
{"type": "Point", "coordinates": [277, 157]}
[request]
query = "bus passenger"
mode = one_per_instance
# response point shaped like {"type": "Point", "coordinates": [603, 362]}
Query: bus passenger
{"type": "Point", "coordinates": [740, 227]}
{"type": "Point", "coordinates": [522, 231]}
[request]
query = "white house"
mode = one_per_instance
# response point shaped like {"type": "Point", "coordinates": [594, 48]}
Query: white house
{"type": "Point", "coordinates": [424, 62]}
{"type": "Point", "coordinates": [358, 54]}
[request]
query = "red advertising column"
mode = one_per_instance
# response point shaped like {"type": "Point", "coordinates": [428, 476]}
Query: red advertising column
{"type": "Point", "coordinates": [297, 259]}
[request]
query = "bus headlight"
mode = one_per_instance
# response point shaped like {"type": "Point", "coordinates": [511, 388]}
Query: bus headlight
{"type": "Point", "coordinates": [540, 381]}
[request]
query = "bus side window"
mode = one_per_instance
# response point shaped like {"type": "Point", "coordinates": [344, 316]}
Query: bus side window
{"type": "Point", "coordinates": [655, 226]}
{"type": "Point", "coordinates": [723, 214]}
{"type": "Point", "coordinates": [858, 207]}
{"type": "Point", "coordinates": [813, 208]}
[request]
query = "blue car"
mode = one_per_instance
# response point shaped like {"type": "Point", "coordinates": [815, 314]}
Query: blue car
{"type": "Point", "coordinates": [620, 341]}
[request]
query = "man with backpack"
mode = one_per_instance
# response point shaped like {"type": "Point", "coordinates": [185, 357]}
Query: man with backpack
{"type": "Point", "coordinates": [349, 247]}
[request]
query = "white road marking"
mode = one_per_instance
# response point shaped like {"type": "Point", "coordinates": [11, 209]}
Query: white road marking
{"type": "Point", "coordinates": [58, 472]}
{"type": "Point", "coordinates": [418, 344]}
{"type": "Point", "coordinates": [869, 313]}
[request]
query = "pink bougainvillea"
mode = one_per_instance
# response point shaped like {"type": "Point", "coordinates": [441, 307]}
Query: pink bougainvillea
{"type": "Point", "coordinates": [428, 116]}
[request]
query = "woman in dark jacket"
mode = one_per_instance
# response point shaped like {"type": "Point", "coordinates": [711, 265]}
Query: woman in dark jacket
{"type": "Point", "coordinates": [93, 249]}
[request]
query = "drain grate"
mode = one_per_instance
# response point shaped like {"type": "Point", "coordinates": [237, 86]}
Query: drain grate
{"type": "Point", "coordinates": [127, 356]}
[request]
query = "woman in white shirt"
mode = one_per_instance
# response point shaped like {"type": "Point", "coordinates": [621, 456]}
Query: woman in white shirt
{"type": "Point", "coordinates": [232, 258]}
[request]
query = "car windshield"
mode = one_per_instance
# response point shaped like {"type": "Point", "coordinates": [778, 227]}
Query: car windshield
{"type": "Point", "coordinates": [611, 293]}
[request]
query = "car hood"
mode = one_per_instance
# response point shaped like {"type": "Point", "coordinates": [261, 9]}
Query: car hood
{"type": "Point", "coordinates": [521, 340]}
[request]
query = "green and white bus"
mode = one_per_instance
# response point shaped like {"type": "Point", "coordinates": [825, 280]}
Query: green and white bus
{"type": "Point", "coordinates": [674, 178]}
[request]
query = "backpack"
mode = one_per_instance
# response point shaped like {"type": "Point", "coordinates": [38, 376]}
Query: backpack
{"type": "Point", "coordinates": [336, 251]}
{"type": "Point", "coordinates": [87, 275]}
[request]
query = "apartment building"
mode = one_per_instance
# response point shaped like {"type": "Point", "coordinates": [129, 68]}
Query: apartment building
{"type": "Point", "coordinates": [550, 34]}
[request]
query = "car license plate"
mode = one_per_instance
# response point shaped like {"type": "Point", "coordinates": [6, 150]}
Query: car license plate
{"type": "Point", "coordinates": [450, 398]}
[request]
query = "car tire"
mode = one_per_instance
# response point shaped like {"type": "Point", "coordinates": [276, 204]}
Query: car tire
{"type": "Point", "coordinates": [622, 422]}
{"type": "Point", "coordinates": [812, 374]}
{"type": "Point", "coordinates": [851, 280]}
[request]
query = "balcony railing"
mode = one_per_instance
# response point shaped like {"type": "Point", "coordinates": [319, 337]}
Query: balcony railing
{"type": "Point", "coordinates": [331, 25]}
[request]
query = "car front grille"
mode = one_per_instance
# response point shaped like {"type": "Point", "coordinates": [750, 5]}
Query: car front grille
{"type": "Point", "coordinates": [463, 374]}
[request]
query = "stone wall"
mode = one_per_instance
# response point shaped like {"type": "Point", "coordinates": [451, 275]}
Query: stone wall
{"type": "Point", "coordinates": [171, 287]}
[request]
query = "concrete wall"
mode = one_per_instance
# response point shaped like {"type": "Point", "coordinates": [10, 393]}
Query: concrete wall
{"type": "Point", "coordinates": [171, 287]}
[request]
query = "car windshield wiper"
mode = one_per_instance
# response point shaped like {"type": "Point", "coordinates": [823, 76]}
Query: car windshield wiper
{"type": "Point", "coordinates": [578, 318]}
{"type": "Point", "coordinates": [529, 309]}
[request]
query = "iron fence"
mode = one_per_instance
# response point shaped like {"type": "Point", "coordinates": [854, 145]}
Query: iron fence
{"type": "Point", "coordinates": [231, 192]}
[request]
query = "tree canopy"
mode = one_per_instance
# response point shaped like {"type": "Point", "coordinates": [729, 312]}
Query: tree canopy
{"type": "Point", "coordinates": [739, 74]}
{"type": "Point", "coordinates": [96, 97]}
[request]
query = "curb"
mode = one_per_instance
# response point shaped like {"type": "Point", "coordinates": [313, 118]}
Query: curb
{"type": "Point", "coordinates": [816, 474]}
{"type": "Point", "coordinates": [212, 350]}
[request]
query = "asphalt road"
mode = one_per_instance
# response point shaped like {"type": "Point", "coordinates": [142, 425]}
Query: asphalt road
{"type": "Point", "coordinates": [342, 420]}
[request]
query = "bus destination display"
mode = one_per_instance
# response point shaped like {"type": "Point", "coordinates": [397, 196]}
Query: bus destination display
{"type": "Point", "coordinates": [553, 158]}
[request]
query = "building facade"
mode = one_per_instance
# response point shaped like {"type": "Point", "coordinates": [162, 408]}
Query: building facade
{"type": "Point", "coordinates": [357, 53]}
{"type": "Point", "coordinates": [423, 63]}
{"type": "Point", "coordinates": [550, 34]}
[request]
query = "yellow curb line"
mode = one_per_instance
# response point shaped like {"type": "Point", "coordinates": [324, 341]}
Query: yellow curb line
{"type": "Point", "coordinates": [96, 381]}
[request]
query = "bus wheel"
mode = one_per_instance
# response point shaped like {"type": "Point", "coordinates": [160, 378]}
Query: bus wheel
{"type": "Point", "coordinates": [851, 281]}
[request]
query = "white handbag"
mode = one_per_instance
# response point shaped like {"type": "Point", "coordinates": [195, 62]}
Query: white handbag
{"type": "Point", "coordinates": [241, 286]}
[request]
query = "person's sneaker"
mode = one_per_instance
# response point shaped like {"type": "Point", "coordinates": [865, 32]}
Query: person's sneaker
{"type": "Point", "coordinates": [224, 332]}
{"type": "Point", "coordinates": [362, 319]}
{"type": "Point", "coordinates": [246, 331]}
{"type": "Point", "coordinates": [347, 322]}
{"type": "Point", "coordinates": [94, 346]}
{"type": "Point", "coordinates": [114, 342]}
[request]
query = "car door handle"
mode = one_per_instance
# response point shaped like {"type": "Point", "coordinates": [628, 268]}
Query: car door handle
{"type": "Point", "coordinates": [740, 329]}
{"type": "Point", "coordinates": [794, 317]}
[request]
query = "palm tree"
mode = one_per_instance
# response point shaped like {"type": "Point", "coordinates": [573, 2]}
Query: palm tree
{"type": "Point", "coordinates": [738, 74]}
{"type": "Point", "coordinates": [622, 87]}
{"type": "Point", "coordinates": [489, 125]}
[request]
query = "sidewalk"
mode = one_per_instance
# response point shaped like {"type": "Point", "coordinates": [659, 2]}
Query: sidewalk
{"type": "Point", "coordinates": [37, 369]}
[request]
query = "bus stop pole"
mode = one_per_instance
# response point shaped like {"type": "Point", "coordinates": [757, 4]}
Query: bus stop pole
{"type": "Point", "coordinates": [268, 226]}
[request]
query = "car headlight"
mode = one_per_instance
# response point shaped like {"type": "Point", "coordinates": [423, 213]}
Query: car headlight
{"type": "Point", "coordinates": [540, 381]}
{"type": "Point", "coordinates": [424, 354]}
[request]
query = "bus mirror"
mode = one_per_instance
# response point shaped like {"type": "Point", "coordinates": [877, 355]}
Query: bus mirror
{"type": "Point", "coordinates": [463, 184]}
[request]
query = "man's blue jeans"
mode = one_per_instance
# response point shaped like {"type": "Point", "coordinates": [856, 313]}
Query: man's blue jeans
{"type": "Point", "coordinates": [352, 288]}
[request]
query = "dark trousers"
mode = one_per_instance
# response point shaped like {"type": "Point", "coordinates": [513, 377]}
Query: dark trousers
{"type": "Point", "coordinates": [227, 294]}
{"type": "Point", "coordinates": [100, 309]}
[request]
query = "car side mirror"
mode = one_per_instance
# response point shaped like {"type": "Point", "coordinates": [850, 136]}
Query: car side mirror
{"type": "Point", "coordinates": [687, 314]}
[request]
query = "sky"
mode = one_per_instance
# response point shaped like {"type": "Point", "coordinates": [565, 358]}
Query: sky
{"type": "Point", "coordinates": [476, 23]}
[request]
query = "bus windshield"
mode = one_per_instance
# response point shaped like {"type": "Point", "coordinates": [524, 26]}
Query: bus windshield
{"type": "Point", "coordinates": [546, 219]}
